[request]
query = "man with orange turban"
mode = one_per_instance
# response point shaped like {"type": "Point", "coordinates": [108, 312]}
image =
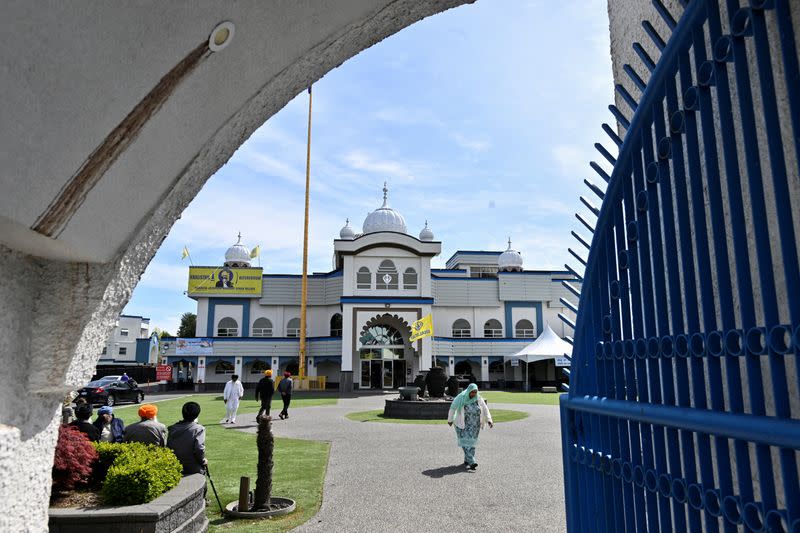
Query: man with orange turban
{"type": "Point", "coordinates": [264, 390]}
{"type": "Point", "coordinates": [148, 430]}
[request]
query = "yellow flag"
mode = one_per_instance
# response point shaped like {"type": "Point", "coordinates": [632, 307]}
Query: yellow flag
{"type": "Point", "coordinates": [255, 252]}
{"type": "Point", "coordinates": [184, 253]}
{"type": "Point", "coordinates": [422, 328]}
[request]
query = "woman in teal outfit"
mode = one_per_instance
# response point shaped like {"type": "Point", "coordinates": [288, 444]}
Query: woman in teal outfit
{"type": "Point", "coordinates": [470, 414]}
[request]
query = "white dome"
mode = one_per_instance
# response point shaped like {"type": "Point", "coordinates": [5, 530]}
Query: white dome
{"type": "Point", "coordinates": [426, 234]}
{"type": "Point", "coordinates": [384, 218]}
{"type": "Point", "coordinates": [510, 260]}
{"type": "Point", "coordinates": [347, 232]}
{"type": "Point", "coordinates": [237, 255]}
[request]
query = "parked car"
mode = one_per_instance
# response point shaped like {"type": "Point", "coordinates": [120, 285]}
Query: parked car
{"type": "Point", "coordinates": [111, 392]}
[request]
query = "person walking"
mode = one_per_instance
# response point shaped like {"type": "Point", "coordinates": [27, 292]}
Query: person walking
{"type": "Point", "coordinates": [231, 395]}
{"type": "Point", "coordinates": [285, 388]}
{"type": "Point", "coordinates": [148, 430]}
{"type": "Point", "coordinates": [470, 414]}
{"type": "Point", "coordinates": [264, 390]}
{"type": "Point", "coordinates": [111, 428]}
{"type": "Point", "coordinates": [187, 439]}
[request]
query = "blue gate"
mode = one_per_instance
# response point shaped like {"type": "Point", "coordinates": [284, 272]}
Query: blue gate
{"type": "Point", "coordinates": [683, 411]}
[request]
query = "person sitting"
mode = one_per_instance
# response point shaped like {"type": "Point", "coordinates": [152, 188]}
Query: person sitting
{"type": "Point", "coordinates": [187, 439]}
{"type": "Point", "coordinates": [148, 430]}
{"type": "Point", "coordinates": [83, 413]}
{"type": "Point", "coordinates": [110, 427]}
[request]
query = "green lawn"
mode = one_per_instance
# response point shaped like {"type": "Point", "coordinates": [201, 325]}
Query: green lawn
{"type": "Point", "coordinates": [498, 415]}
{"type": "Point", "coordinates": [541, 398]}
{"type": "Point", "coordinates": [299, 464]}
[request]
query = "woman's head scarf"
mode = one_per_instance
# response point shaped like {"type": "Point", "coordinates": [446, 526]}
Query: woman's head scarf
{"type": "Point", "coordinates": [463, 398]}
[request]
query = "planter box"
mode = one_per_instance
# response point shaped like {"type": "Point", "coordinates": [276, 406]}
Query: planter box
{"type": "Point", "coordinates": [180, 510]}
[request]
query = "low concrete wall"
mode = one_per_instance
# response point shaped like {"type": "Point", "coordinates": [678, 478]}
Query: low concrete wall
{"type": "Point", "coordinates": [416, 410]}
{"type": "Point", "coordinates": [181, 510]}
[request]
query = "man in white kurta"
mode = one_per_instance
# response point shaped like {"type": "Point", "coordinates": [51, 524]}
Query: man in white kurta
{"type": "Point", "coordinates": [232, 394]}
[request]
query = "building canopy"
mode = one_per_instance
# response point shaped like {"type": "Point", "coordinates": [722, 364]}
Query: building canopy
{"type": "Point", "coordinates": [548, 345]}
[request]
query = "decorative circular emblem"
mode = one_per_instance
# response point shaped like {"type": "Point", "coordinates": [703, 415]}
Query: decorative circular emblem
{"type": "Point", "coordinates": [387, 279]}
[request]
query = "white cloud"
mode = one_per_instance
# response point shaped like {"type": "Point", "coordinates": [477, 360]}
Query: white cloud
{"type": "Point", "coordinates": [164, 276]}
{"type": "Point", "coordinates": [363, 161]}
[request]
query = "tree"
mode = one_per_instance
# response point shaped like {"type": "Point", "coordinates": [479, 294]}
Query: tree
{"type": "Point", "coordinates": [188, 325]}
{"type": "Point", "coordinates": [161, 332]}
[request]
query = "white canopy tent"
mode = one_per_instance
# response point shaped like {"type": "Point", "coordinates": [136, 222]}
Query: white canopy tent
{"type": "Point", "coordinates": [548, 345]}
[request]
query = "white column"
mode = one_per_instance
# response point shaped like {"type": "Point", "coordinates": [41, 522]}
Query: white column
{"type": "Point", "coordinates": [451, 367]}
{"type": "Point", "coordinates": [311, 368]}
{"type": "Point", "coordinates": [201, 370]}
{"type": "Point", "coordinates": [237, 368]}
{"type": "Point", "coordinates": [484, 369]}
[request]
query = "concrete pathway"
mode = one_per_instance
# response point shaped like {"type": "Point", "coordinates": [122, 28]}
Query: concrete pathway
{"type": "Point", "coordinates": [409, 477]}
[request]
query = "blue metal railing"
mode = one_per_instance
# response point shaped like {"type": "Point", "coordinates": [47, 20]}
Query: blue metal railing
{"type": "Point", "coordinates": [679, 415]}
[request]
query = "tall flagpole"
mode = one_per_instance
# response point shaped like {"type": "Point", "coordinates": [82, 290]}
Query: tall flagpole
{"type": "Point", "coordinates": [304, 286]}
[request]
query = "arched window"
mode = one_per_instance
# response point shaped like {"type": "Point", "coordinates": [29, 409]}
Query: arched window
{"type": "Point", "coordinates": [492, 329]}
{"type": "Point", "coordinates": [227, 327]}
{"type": "Point", "coordinates": [224, 367]}
{"type": "Point", "coordinates": [381, 335]}
{"type": "Point", "coordinates": [462, 368]}
{"type": "Point", "coordinates": [410, 279]}
{"type": "Point", "coordinates": [258, 367]}
{"type": "Point", "coordinates": [293, 367]}
{"type": "Point", "coordinates": [363, 278]}
{"type": "Point", "coordinates": [386, 276]}
{"type": "Point", "coordinates": [262, 328]}
{"type": "Point", "coordinates": [461, 329]}
{"type": "Point", "coordinates": [293, 328]}
{"type": "Point", "coordinates": [524, 330]}
{"type": "Point", "coordinates": [336, 325]}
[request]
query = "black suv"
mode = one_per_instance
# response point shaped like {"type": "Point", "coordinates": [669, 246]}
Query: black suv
{"type": "Point", "coordinates": [107, 392]}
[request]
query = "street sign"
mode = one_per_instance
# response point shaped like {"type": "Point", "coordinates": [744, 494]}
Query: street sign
{"type": "Point", "coordinates": [164, 372]}
{"type": "Point", "coordinates": [515, 361]}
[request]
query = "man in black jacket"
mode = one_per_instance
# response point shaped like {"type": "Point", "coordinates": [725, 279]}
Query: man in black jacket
{"type": "Point", "coordinates": [285, 388]}
{"type": "Point", "coordinates": [83, 413]}
{"type": "Point", "coordinates": [187, 439]}
{"type": "Point", "coordinates": [265, 390]}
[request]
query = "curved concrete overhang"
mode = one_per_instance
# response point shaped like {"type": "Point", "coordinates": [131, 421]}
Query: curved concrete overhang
{"type": "Point", "coordinates": [386, 239]}
{"type": "Point", "coordinates": [115, 115]}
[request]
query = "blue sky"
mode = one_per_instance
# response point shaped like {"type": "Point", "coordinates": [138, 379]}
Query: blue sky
{"type": "Point", "coordinates": [481, 119]}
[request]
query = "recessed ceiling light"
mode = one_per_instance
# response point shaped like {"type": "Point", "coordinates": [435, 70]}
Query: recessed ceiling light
{"type": "Point", "coordinates": [221, 36]}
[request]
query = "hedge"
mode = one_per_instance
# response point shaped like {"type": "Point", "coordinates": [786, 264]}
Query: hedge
{"type": "Point", "coordinates": [136, 473]}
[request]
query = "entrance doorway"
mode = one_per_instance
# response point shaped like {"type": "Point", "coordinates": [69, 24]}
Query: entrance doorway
{"type": "Point", "coordinates": [383, 364]}
{"type": "Point", "coordinates": [383, 374]}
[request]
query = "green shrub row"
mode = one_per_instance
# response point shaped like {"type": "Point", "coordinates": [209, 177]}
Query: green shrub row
{"type": "Point", "coordinates": [136, 473]}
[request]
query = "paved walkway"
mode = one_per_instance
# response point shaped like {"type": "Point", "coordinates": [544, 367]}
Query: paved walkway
{"type": "Point", "coordinates": [409, 478]}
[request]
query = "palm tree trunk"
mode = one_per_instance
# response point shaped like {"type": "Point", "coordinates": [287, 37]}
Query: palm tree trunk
{"type": "Point", "coordinates": [266, 446]}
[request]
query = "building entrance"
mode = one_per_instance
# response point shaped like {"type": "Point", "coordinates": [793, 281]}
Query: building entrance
{"type": "Point", "coordinates": [383, 363]}
{"type": "Point", "coordinates": [383, 374]}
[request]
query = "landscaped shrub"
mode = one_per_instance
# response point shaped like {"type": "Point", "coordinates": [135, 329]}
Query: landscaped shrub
{"type": "Point", "coordinates": [108, 452]}
{"type": "Point", "coordinates": [73, 460]}
{"type": "Point", "coordinates": [139, 474]}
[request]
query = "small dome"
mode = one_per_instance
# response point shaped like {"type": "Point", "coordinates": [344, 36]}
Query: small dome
{"type": "Point", "coordinates": [510, 260]}
{"type": "Point", "coordinates": [384, 218]}
{"type": "Point", "coordinates": [237, 255]}
{"type": "Point", "coordinates": [347, 233]}
{"type": "Point", "coordinates": [426, 234]}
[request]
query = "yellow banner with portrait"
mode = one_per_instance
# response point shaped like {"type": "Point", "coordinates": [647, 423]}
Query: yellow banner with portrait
{"type": "Point", "coordinates": [227, 281]}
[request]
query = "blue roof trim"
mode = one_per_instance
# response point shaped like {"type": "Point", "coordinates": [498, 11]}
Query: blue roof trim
{"type": "Point", "coordinates": [448, 270]}
{"type": "Point", "coordinates": [259, 339]}
{"type": "Point", "coordinates": [384, 300]}
{"type": "Point", "coordinates": [331, 274]}
{"type": "Point", "coordinates": [464, 279]}
{"type": "Point", "coordinates": [536, 272]}
{"type": "Point", "coordinates": [483, 339]}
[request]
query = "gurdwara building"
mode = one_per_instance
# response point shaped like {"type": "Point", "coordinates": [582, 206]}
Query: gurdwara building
{"type": "Point", "coordinates": [485, 307]}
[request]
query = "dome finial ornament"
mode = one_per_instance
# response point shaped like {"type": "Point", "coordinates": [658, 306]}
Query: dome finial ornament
{"type": "Point", "coordinates": [237, 256]}
{"type": "Point", "coordinates": [384, 218]}
{"type": "Point", "coordinates": [510, 260]}
{"type": "Point", "coordinates": [426, 234]}
{"type": "Point", "coordinates": [347, 233]}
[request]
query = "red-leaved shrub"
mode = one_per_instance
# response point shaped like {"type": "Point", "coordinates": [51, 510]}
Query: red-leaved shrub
{"type": "Point", "coordinates": [75, 456]}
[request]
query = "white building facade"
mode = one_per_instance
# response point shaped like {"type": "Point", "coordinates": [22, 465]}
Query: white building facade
{"type": "Point", "coordinates": [120, 348]}
{"type": "Point", "coordinates": [484, 306]}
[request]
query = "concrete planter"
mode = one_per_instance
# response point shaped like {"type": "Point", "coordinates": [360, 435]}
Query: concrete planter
{"type": "Point", "coordinates": [180, 510]}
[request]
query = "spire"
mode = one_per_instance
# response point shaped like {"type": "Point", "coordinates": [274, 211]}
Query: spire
{"type": "Point", "coordinates": [385, 195]}
{"type": "Point", "coordinates": [239, 239]}
{"type": "Point", "coordinates": [509, 243]}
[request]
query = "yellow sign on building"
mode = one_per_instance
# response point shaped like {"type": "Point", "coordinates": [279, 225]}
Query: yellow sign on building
{"type": "Point", "coordinates": [422, 328]}
{"type": "Point", "coordinates": [227, 281]}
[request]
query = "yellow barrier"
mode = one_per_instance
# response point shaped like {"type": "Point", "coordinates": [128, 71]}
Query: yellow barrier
{"type": "Point", "coordinates": [307, 383]}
